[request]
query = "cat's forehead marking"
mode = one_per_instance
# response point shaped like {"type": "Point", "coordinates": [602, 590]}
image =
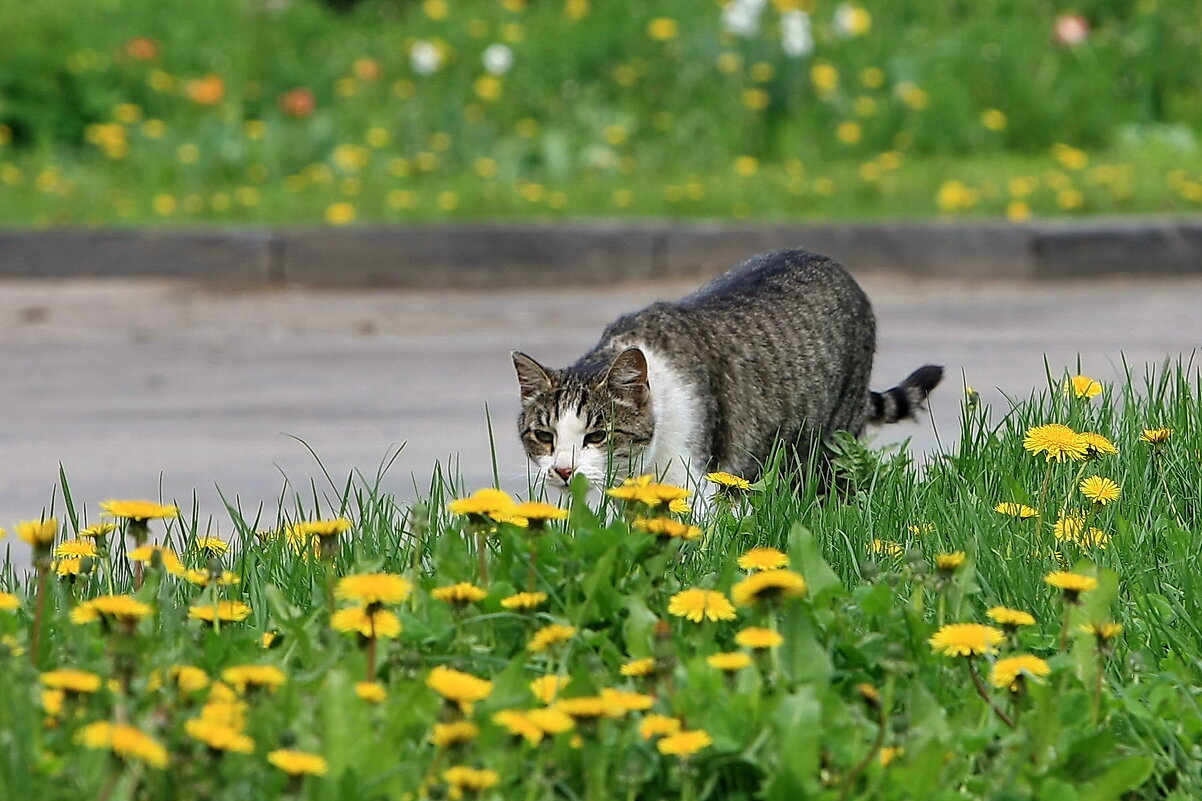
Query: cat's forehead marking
{"type": "Point", "coordinates": [569, 431]}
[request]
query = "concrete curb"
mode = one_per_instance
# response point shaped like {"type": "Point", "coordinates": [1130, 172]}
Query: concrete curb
{"type": "Point", "coordinates": [602, 252]}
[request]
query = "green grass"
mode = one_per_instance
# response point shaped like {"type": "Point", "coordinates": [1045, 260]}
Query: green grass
{"type": "Point", "coordinates": [936, 108]}
{"type": "Point", "coordinates": [1120, 722]}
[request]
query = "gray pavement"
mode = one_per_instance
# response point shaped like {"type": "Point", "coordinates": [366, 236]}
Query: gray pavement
{"type": "Point", "coordinates": [149, 388]}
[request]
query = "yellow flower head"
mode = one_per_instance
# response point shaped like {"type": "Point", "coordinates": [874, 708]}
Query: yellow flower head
{"type": "Point", "coordinates": [98, 530]}
{"type": "Point", "coordinates": [667, 527]}
{"type": "Point", "coordinates": [298, 763]}
{"type": "Point", "coordinates": [307, 529]}
{"type": "Point", "coordinates": [589, 707]}
{"type": "Point", "coordinates": [9, 602]}
{"type": "Point", "coordinates": [188, 678]}
{"type": "Point", "coordinates": [879, 547]}
{"type": "Point", "coordinates": [890, 753]}
{"type": "Point", "coordinates": [140, 511]}
{"type": "Point", "coordinates": [377, 623]}
{"type": "Point", "coordinates": [662, 29]}
{"type": "Point", "coordinates": [1015, 510]}
{"type": "Point", "coordinates": [656, 725]}
{"type": "Point", "coordinates": [524, 601]}
{"type": "Point", "coordinates": [550, 720]}
{"type": "Point", "coordinates": [219, 736]}
{"type": "Point", "coordinates": [729, 661]}
{"type": "Point", "coordinates": [758, 638]}
{"type": "Point", "coordinates": [224, 611]}
{"type": "Point", "coordinates": [684, 743]}
{"type": "Point", "coordinates": [1010, 619]}
{"type": "Point", "coordinates": [373, 588]}
{"type": "Point", "coordinates": [1156, 436]}
{"type": "Point", "coordinates": [124, 608]}
{"type": "Point", "coordinates": [146, 555]}
{"type": "Point", "coordinates": [449, 735]}
{"type": "Point", "coordinates": [127, 742]}
{"type": "Point", "coordinates": [966, 639]}
{"type": "Point", "coordinates": [1097, 445]}
{"type": "Point", "coordinates": [242, 677]}
{"type": "Point", "coordinates": [763, 559]}
{"type": "Point", "coordinates": [1082, 386]}
{"type": "Point", "coordinates": [1103, 632]}
{"type": "Point", "coordinates": [76, 549]}
{"type": "Point", "coordinates": [213, 545]}
{"type": "Point", "coordinates": [460, 594]}
{"type": "Point", "coordinates": [518, 724]}
{"type": "Point", "coordinates": [637, 668]}
{"type": "Point", "coordinates": [697, 604]}
{"type": "Point", "coordinates": [769, 585]}
{"type": "Point", "coordinates": [482, 502]}
{"type": "Point", "coordinates": [371, 691]}
{"type": "Point", "coordinates": [870, 694]}
{"type": "Point", "coordinates": [458, 687]}
{"type": "Point", "coordinates": [546, 688]}
{"type": "Point", "coordinates": [949, 563]}
{"type": "Point", "coordinates": [645, 490]}
{"type": "Point", "coordinates": [38, 533]}
{"type": "Point", "coordinates": [475, 780]}
{"type": "Point", "coordinates": [728, 481]}
{"type": "Point", "coordinates": [549, 636]}
{"type": "Point", "coordinates": [1058, 442]}
{"type": "Point", "coordinates": [1071, 584]}
{"type": "Point", "coordinates": [1008, 671]}
{"type": "Point", "coordinates": [537, 511]}
{"type": "Point", "coordinates": [70, 680]}
{"type": "Point", "coordinates": [626, 700]}
{"type": "Point", "coordinates": [1099, 490]}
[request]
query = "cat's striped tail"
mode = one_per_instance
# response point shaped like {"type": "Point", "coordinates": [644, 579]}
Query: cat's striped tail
{"type": "Point", "coordinates": [903, 400]}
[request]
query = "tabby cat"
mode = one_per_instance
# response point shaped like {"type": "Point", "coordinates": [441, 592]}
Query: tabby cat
{"type": "Point", "coordinates": [778, 348]}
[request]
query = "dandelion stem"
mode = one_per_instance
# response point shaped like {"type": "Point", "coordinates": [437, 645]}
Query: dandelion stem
{"type": "Point", "coordinates": [35, 636]}
{"type": "Point", "coordinates": [863, 764]}
{"type": "Point", "coordinates": [976, 680]}
{"type": "Point", "coordinates": [481, 564]}
{"type": "Point", "coordinates": [1068, 610]}
{"type": "Point", "coordinates": [1043, 501]}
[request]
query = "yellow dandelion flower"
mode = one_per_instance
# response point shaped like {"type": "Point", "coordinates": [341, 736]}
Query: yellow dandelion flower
{"type": "Point", "coordinates": [684, 743]}
{"type": "Point", "coordinates": [76, 549]}
{"type": "Point", "coordinates": [127, 742]}
{"type": "Point", "coordinates": [1100, 490]}
{"type": "Point", "coordinates": [1008, 672]}
{"type": "Point", "coordinates": [879, 547]}
{"type": "Point", "coordinates": [450, 735]}
{"type": "Point", "coordinates": [550, 720]}
{"type": "Point", "coordinates": [371, 691]}
{"type": "Point", "coordinates": [890, 753]}
{"type": "Point", "coordinates": [966, 639]}
{"type": "Point", "coordinates": [123, 608]}
{"type": "Point", "coordinates": [697, 604]}
{"type": "Point", "coordinates": [214, 545]}
{"type": "Point", "coordinates": [949, 563]}
{"type": "Point", "coordinates": [68, 567]}
{"type": "Point", "coordinates": [139, 511]}
{"type": "Point", "coordinates": [460, 594]}
{"type": "Point", "coordinates": [320, 528]}
{"type": "Point", "coordinates": [98, 530]}
{"type": "Point", "coordinates": [1010, 619]}
{"type": "Point", "coordinates": [1103, 632]}
{"type": "Point", "coordinates": [475, 780]}
{"type": "Point", "coordinates": [762, 558]}
{"type": "Point", "coordinates": [224, 611]}
{"type": "Point", "coordinates": [758, 638]}
{"type": "Point", "coordinates": [729, 661]}
{"type": "Point", "coordinates": [482, 502]}
{"type": "Point", "coordinates": [663, 29]}
{"type": "Point", "coordinates": [146, 554]}
{"type": "Point", "coordinates": [626, 700]}
{"type": "Point", "coordinates": [1058, 442]}
{"type": "Point", "coordinates": [1071, 584]}
{"type": "Point", "coordinates": [638, 668]}
{"type": "Point", "coordinates": [219, 736]}
{"type": "Point", "coordinates": [537, 512]}
{"type": "Point", "coordinates": [52, 702]}
{"type": "Point", "coordinates": [373, 588]}
{"type": "Point", "coordinates": [1156, 436]}
{"type": "Point", "coordinates": [38, 533]}
{"type": "Point", "coordinates": [71, 680]}
{"type": "Point", "coordinates": [1097, 445]}
{"type": "Point", "coordinates": [588, 707]}
{"type": "Point", "coordinates": [519, 725]}
{"type": "Point", "coordinates": [1015, 510]}
{"type": "Point", "coordinates": [377, 623]}
{"type": "Point", "coordinates": [188, 678]}
{"type": "Point", "coordinates": [769, 585]}
{"type": "Point", "coordinates": [298, 763]}
{"type": "Point", "coordinates": [546, 688]}
{"type": "Point", "coordinates": [9, 602]}
{"type": "Point", "coordinates": [679, 506]}
{"type": "Point", "coordinates": [667, 527]}
{"type": "Point", "coordinates": [458, 687]}
{"type": "Point", "coordinates": [1082, 386]}
{"type": "Point", "coordinates": [549, 636]}
{"type": "Point", "coordinates": [242, 677]}
{"type": "Point", "coordinates": [655, 725]}
{"type": "Point", "coordinates": [524, 601]}
{"type": "Point", "coordinates": [728, 481]}
{"type": "Point", "coordinates": [645, 490]}
{"type": "Point", "coordinates": [870, 694]}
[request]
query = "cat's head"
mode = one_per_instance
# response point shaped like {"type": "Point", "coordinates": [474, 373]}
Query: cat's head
{"type": "Point", "coordinates": [592, 419]}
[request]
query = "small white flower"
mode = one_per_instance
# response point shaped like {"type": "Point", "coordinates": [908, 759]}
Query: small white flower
{"type": "Point", "coordinates": [743, 16]}
{"type": "Point", "coordinates": [497, 59]}
{"type": "Point", "coordinates": [796, 38]}
{"type": "Point", "coordinates": [425, 57]}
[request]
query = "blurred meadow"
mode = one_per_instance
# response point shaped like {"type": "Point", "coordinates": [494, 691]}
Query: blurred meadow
{"type": "Point", "coordinates": [278, 111]}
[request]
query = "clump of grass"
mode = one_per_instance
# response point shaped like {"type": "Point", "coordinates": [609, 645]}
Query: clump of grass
{"type": "Point", "coordinates": [486, 649]}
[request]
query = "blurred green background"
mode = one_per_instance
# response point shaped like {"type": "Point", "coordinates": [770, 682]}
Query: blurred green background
{"type": "Point", "coordinates": [174, 112]}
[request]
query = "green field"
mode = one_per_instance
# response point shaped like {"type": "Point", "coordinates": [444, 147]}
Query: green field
{"type": "Point", "coordinates": [348, 677]}
{"type": "Point", "coordinates": [170, 112]}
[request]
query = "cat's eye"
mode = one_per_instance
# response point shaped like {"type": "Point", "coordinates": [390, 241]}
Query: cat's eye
{"type": "Point", "coordinates": [595, 437]}
{"type": "Point", "coordinates": [545, 437]}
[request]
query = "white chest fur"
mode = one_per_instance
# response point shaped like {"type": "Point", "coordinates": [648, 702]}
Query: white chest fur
{"type": "Point", "coordinates": [674, 452]}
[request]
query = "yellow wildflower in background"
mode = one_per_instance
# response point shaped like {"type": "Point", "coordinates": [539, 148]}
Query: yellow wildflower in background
{"type": "Point", "coordinates": [1010, 619]}
{"type": "Point", "coordinates": [626, 700]}
{"type": "Point", "coordinates": [1156, 436]}
{"type": "Point", "coordinates": [127, 742]}
{"type": "Point", "coordinates": [461, 777]}
{"type": "Point", "coordinates": [1103, 632]}
{"type": "Point", "coordinates": [589, 707]}
{"type": "Point", "coordinates": [371, 691]}
{"type": "Point", "coordinates": [447, 735]}
{"type": "Point", "coordinates": [1007, 672]}
{"type": "Point", "coordinates": [729, 662]}
{"type": "Point", "coordinates": [656, 725]}
{"type": "Point", "coordinates": [298, 763]}
{"type": "Point", "coordinates": [546, 688]}
{"type": "Point", "coordinates": [697, 604]}
{"type": "Point", "coordinates": [1082, 386]}
{"type": "Point", "coordinates": [189, 678]}
{"type": "Point", "coordinates": [124, 608]}
{"type": "Point", "coordinates": [518, 724]}
{"type": "Point", "coordinates": [1100, 490]}
{"type": "Point", "coordinates": [219, 736]}
{"type": "Point", "coordinates": [38, 533]}
{"type": "Point", "coordinates": [340, 213]}
{"type": "Point", "coordinates": [758, 638]}
{"type": "Point", "coordinates": [76, 549]}
{"type": "Point", "coordinates": [638, 668]}
{"type": "Point", "coordinates": [481, 503]}
{"type": "Point", "coordinates": [524, 601]}
{"type": "Point", "coordinates": [949, 562]}
{"type": "Point", "coordinates": [763, 558]}
{"type": "Point", "coordinates": [550, 635]}
{"type": "Point", "coordinates": [538, 513]}
{"type": "Point", "coordinates": [645, 490]}
{"type": "Point", "coordinates": [242, 677]}
{"type": "Point", "coordinates": [460, 594]}
{"type": "Point", "coordinates": [320, 528]}
{"type": "Point", "coordinates": [769, 585]}
{"type": "Point", "coordinates": [1097, 445]}
{"type": "Point", "coordinates": [98, 530]}
{"type": "Point", "coordinates": [214, 545]}
{"type": "Point", "coordinates": [667, 527]}
{"type": "Point", "coordinates": [879, 547]}
{"type": "Point", "coordinates": [890, 753]}
{"type": "Point", "coordinates": [966, 639]}
{"type": "Point", "coordinates": [378, 623]}
{"type": "Point", "coordinates": [71, 680]}
{"type": "Point", "coordinates": [1071, 584]}
{"type": "Point", "coordinates": [728, 481]}
{"type": "Point", "coordinates": [550, 720]}
{"type": "Point", "coordinates": [954, 196]}
{"type": "Point", "coordinates": [663, 29]}
{"type": "Point", "coordinates": [1057, 441]}
{"type": "Point", "coordinates": [993, 119]}
{"type": "Point", "coordinates": [1015, 510]}
{"type": "Point", "coordinates": [458, 687]}
{"type": "Point", "coordinates": [167, 557]}
{"type": "Point", "coordinates": [373, 588]}
{"type": "Point", "coordinates": [138, 510]}
{"type": "Point", "coordinates": [9, 602]}
{"type": "Point", "coordinates": [684, 743]}
{"type": "Point", "coordinates": [225, 611]}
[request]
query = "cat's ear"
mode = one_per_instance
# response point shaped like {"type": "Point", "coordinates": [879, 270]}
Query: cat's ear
{"type": "Point", "coordinates": [627, 376]}
{"type": "Point", "coordinates": [533, 378]}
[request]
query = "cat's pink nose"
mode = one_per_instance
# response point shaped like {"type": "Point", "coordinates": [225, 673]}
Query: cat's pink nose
{"type": "Point", "coordinates": [563, 472]}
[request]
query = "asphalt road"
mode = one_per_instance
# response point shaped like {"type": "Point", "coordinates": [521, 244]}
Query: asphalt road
{"type": "Point", "coordinates": [156, 389]}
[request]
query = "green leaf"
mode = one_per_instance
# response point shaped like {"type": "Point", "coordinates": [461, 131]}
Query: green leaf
{"type": "Point", "coordinates": [822, 582]}
{"type": "Point", "coordinates": [638, 628]}
{"type": "Point", "coordinates": [802, 657]}
{"type": "Point", "coordinates": [1119, 778]}
{"type": "Point", "coordinates": [797, 725]}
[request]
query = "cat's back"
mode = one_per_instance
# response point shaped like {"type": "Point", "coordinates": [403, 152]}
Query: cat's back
{"type": "Point", "coordinates": [769, 278]}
